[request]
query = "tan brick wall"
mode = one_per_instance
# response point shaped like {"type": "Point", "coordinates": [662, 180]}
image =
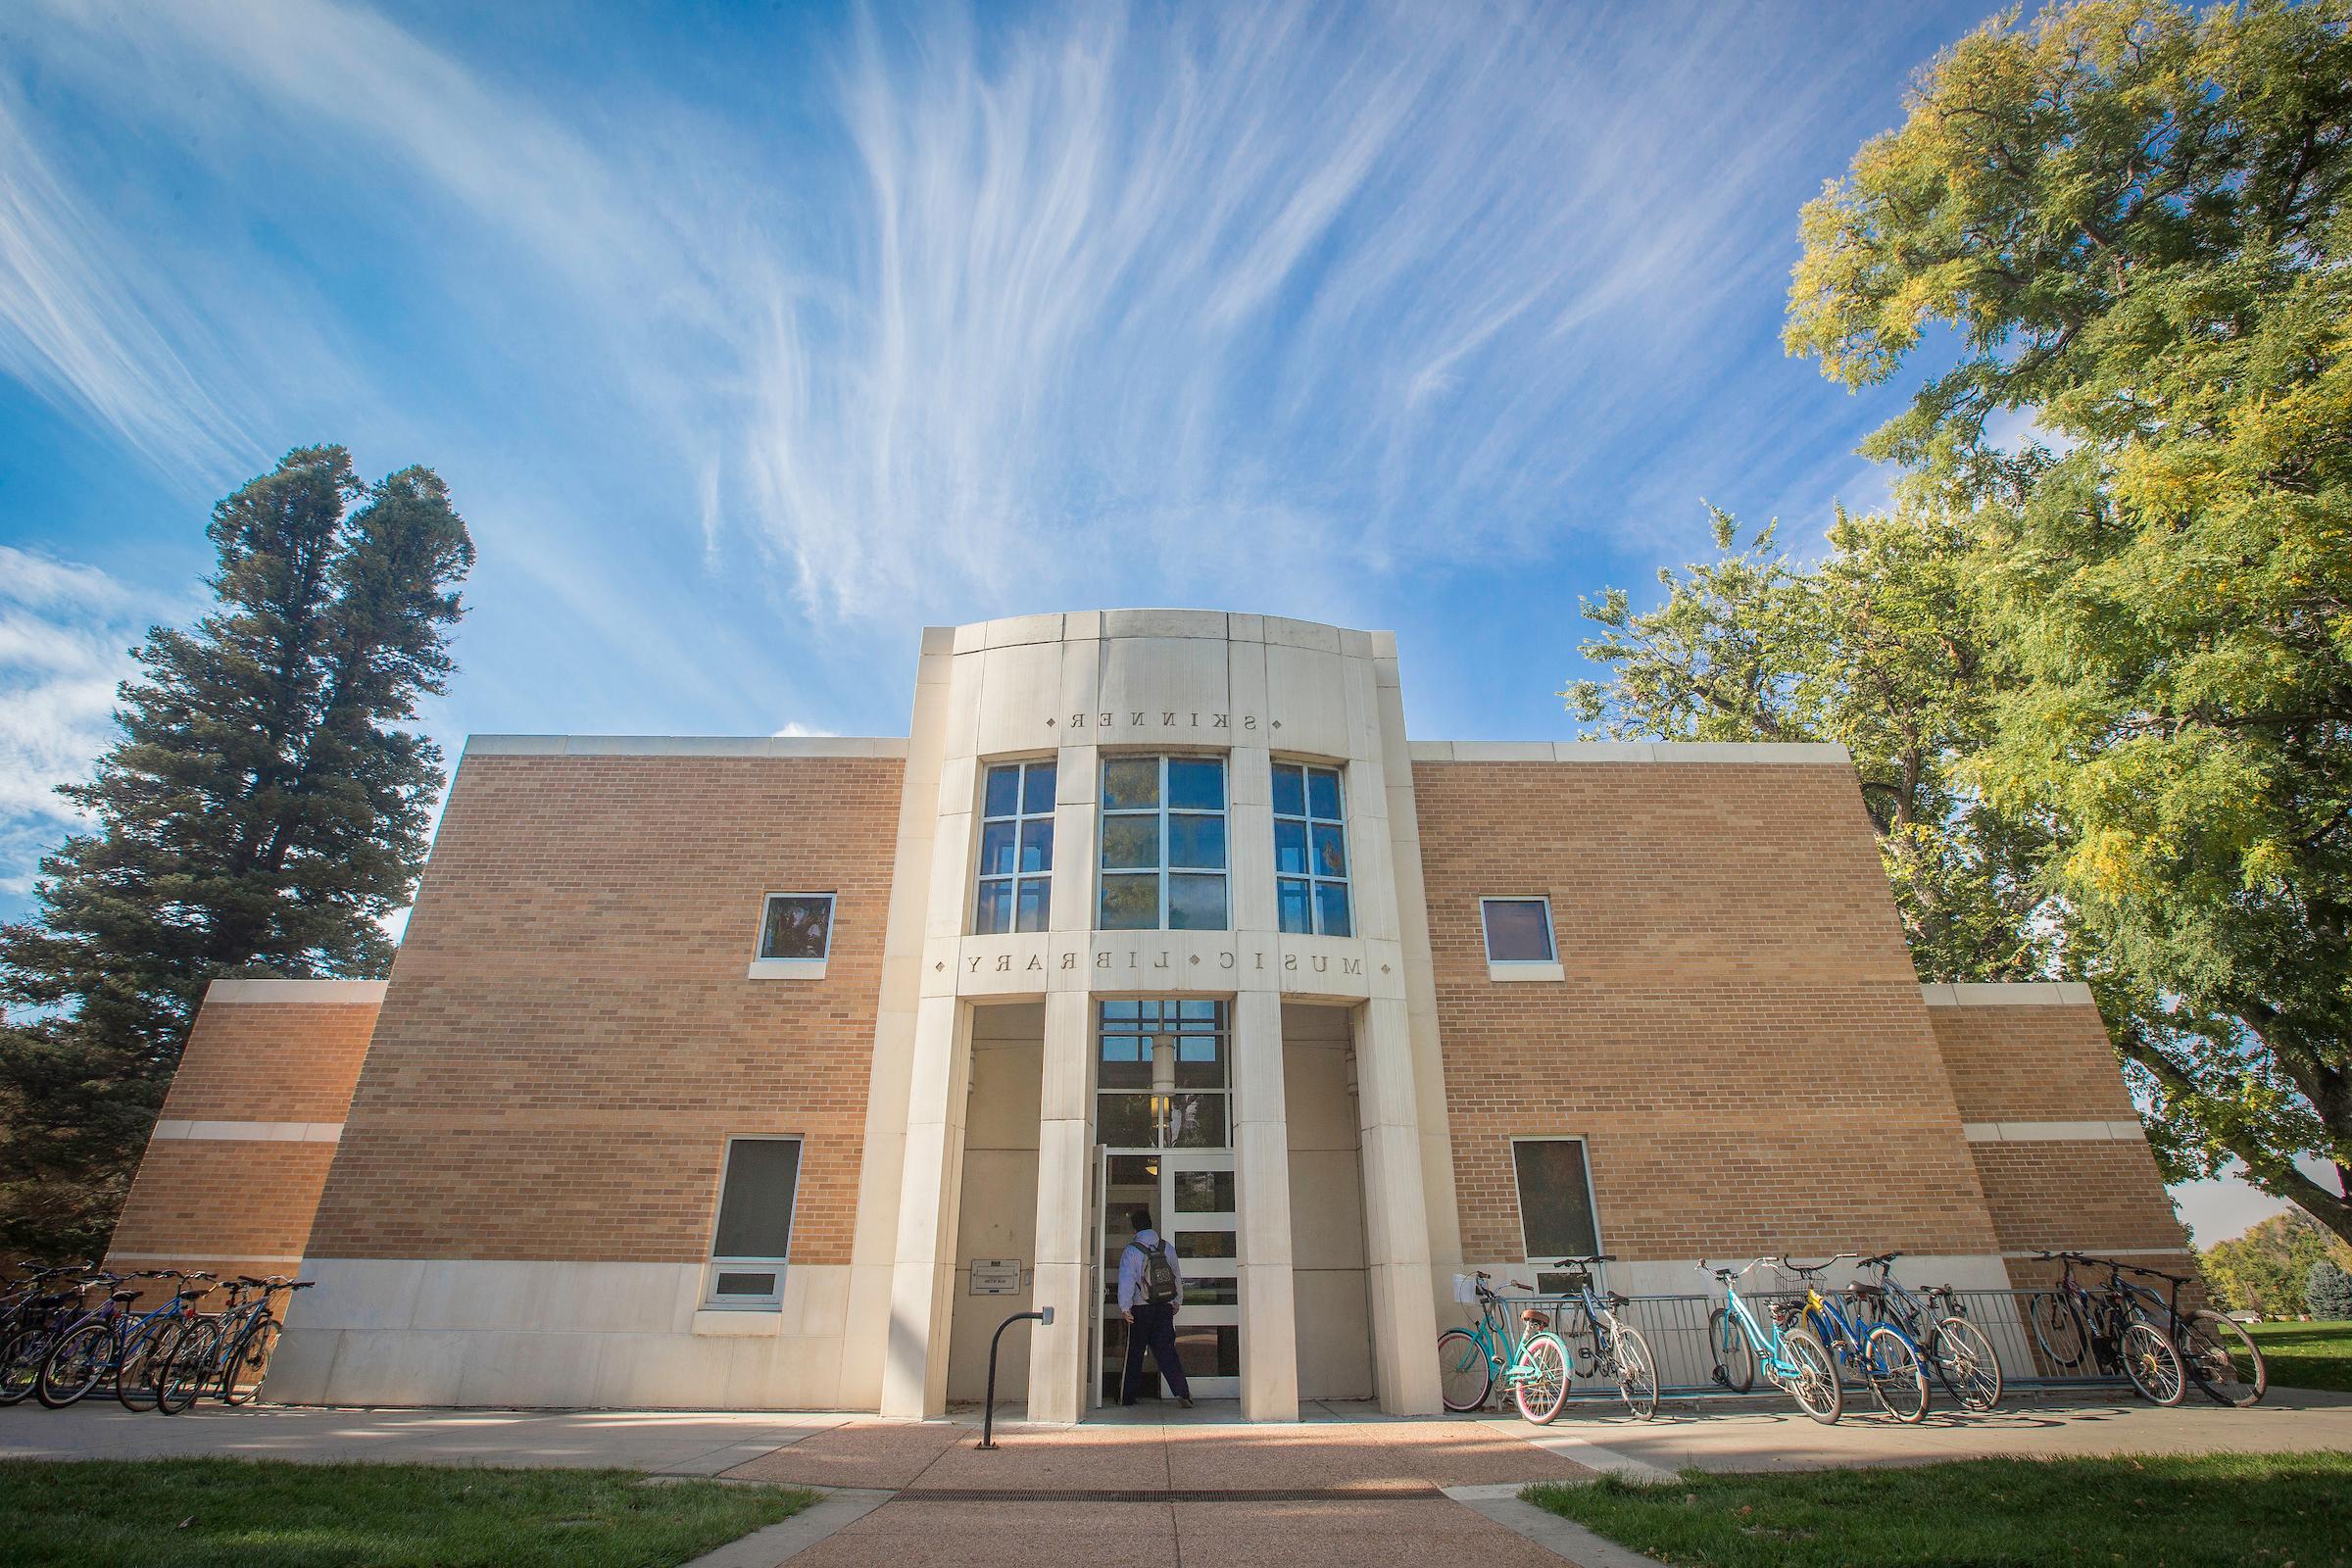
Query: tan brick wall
{"type": "Point", "coordinates": [2044, 1063]}
{"type": "Point", "coordinates": [568, 1037]}
{"type": "Point", "coordinates": [243, 1206]}
{"type": "Point", "coordinates": [271, 1061]}
{"type": "Point", "coordinates": [1739, 1037]}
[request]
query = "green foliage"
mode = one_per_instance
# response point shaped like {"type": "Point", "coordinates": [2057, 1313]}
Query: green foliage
{"type": "Point", "coordinates": [2128, 221]}
{"type": "Point", "coordinates": [2267, 1269]}
{"type": "Point", "coordinates": [2174, 1510]}
{"type": "Point", "coordinates": [246, 1513]}
{"type": "Point", "coordinates": [261, 813]}
{"type": "Point", "coordinates": [1879, 648]}
{"type": "Point", "coordinates": [2328, 1291]}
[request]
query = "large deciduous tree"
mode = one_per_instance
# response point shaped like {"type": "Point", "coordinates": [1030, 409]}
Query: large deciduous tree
{"type": "Point", "coordinates": [261, 813]}
{"type": "Point", "coordinates": [2126, 224]}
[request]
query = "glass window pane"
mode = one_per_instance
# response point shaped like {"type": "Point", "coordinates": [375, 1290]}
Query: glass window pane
{"type": "Point", "coordinates": [1195, 903]}
{"type": "Point", "coordinates": [1331, 850]}
{"type": "Point", "coordinates": [1210, 1291]}
{"type": "Point", "coordinates": [1199, 1014]}
{"type": "Point", "coordinates": [1197, 1121]}
{"type": "Point", "coordinates": [1555, 1207]}
{"type": "Point", "coordinates": [1130, 841]}
{"type": "Point", "coordinates": [1290, 790]}
{"type": "Point", "coordinates": [1291, 906]}
{"type": "Point", "coordinates": [1200, 1061]}
{"type": "Point", "coordinates": [1129, 782]}
{"type": "Point", "coordinates": [1323, 793]}
{"type": "Point", "coordinates": [1034, 905]}
{"type": "Point", "coordinates": [1037, 845]}
{"type": "Point", "coordinates": [1203, 1192]}
{"type": "Point", "coordinates": [1207, 1244]}
{"type": "Point", "coordinates": [1289, 848]}
{"type": "Point", "coordinates": [1124, 1121]}
{"type": "Point", "coordinates": [1004, 795]}
{"type": "Point", "coordinates": [796, 927]}
{"type": "Point", "coordinates": [995, 849]}
{"type": "Point", "coordinates": [731, 1282]}
{"type": "Point", "coordinates": [1197, 841]}
{"type": "Point", "coordinates": [1330, 905]}
{"type": "Point", "coordinates": [1518, 931]}
{"type": "Point", "coordinates": [1197, 783]}
{"type": "Point", "coordinates": [992, 913]}
{"type": "Point", "coordinates": [754, 1205]}
{"type": "Point", "coordinates": [1124, 1069]}
{"type": "Point", "coordinates": [1037, 789]}
{"type": "Point", "coordinates": [1130, 903]}
{"type": "Point", "coordinates": [1119, 1007]}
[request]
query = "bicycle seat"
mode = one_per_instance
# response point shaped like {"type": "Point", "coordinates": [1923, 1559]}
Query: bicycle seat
{"type": "Point", "coordinates": [122, 1295]}
{"type": "Point", "coordinates": [1867, 1292]}
{"type": "Point", "coordinates": [1617, 1300]}
{"type": "Point", "coordinates": [1534, 1317]}
{"type": "Point", "coordinates": [1723, 1273]}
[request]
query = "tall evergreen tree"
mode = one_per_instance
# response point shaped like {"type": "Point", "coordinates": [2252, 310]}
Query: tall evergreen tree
{"type": "Point", "coordinates": [261, 813]}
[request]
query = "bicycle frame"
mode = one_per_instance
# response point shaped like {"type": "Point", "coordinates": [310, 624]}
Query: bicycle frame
{"type": "Point", "coordinates": [1770, 1351]}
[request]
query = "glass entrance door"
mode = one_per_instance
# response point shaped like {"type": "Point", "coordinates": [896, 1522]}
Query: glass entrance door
{"type": "Point", "coordinates": [1191, 1196]}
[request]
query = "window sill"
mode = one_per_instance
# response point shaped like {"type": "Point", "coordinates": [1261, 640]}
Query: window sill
{"type": "Point", "coordinates": [1525, 971]}
{"type": "Point", "coordinates": [739, 1322]}
{"type": "Point", "coordinates": [786, 970]}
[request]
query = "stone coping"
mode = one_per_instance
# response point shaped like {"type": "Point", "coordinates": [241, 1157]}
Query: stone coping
{"type": "Point", "coordinates": [685, 746]}
{"type": "Point", "coordinates": [2012, 994]}
{"type": "Point", "coordinates": [306, 993]}
{"type": "Point", "coordinates": [1811, 753]}
{"type": "Point", "coordinates": [1082, 625]}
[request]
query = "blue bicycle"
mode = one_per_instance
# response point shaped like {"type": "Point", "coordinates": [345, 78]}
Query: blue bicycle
{"type": "Point", "coordinates": [1790, 1355]}
{"type": "Point", "coordinates": [114, 1342]}
{"type": "Point", "coordinates": [1881, 1354]}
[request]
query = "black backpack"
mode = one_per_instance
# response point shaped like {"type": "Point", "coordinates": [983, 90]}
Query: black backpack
{"type": "Point", "coordinates": [1160, 1274]}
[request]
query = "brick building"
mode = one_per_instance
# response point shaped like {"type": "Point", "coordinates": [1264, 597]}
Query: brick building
{"type": "Point", "coordinates": [775, 1072]}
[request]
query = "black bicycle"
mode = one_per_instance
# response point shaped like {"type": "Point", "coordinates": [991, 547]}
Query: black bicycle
{"type": "Point", "coordinates": [1936, 1319]}
{"type": "Point", "coordinates": [2111, 1329]}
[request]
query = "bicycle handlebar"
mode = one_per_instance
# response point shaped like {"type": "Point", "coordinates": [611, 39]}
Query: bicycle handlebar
{"type": "Point", "coordinates": [1595, 1257]}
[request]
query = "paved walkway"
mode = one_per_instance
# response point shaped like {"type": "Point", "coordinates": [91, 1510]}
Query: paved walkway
{"type": "Point", "coordinates": [1196, 1490]}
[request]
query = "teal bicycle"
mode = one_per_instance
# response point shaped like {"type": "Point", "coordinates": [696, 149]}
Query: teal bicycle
{"type": "Point", "coordinates": [1533, 1369]}
{"type": "Point", "coordinates": [1789, 1355]}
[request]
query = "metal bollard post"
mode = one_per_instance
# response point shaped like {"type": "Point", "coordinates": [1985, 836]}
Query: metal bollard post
{"type": "Point", "coordinates": [988, 1412]}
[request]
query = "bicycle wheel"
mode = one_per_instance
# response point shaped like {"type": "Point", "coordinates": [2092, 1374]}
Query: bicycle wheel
{"type": "Point", "coordinates": [1464, 1375]}
{"type": "Point", "coordinates": [2058, 1330]}
{"type": "Point", "coordinates": [2222, 1358]}
{"type": "Point", "coordinates": [1965, 1364]}
{"type": "Point", "coordinates": [1543, 1387]}
{"type": "Point", "coordinates": [75, 1365]}
{"type": "Point", "coordinates": [1898, 1381]}
{"type": "Point", "coordinates": [191, 1369]}
{"type": "Point", "coordinates": [1815, 1386]}
{"type": "Point", "coordinates": [248, 1362]}
{"type": "Point", "coordinates": [1735, 1361]}
{"type": "Point", "coordinates": [2153, 1365]}
{"type": "Point", "coordinates": [21, 1364]}
{"type": "Point", "coordinates": [1637, 1372]}
{"type": "Point", "coordinates": [143, 1361]}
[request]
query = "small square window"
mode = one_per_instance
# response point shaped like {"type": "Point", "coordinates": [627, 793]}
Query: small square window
{"type": "Point", "coordinates": [1518, 930]}
{"type": "Point", "coordinates": [797, 925]}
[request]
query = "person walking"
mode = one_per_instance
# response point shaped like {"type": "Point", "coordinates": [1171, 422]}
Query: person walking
{"type": "Point", "coordinates": [1150, 1290]}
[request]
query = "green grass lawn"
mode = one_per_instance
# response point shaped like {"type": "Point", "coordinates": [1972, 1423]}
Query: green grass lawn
{"type": "Point", "coordinates": [198, 1513]}
{"type": "Point", "coordinates": [2306, 1355]}
{"type": "Point", "coordinates": [2158, 1511]}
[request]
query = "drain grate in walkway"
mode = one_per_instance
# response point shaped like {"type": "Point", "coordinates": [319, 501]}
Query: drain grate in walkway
{"type": "Point", "coordinates": [1369, 1490]}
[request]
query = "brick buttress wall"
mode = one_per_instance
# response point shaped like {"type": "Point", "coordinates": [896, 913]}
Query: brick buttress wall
{"type": "Point", "coordinates": [2057, 1141]}
{"type": "Point", "coordinates": [231, 1177]}
{"type": "Point", "coordinates": [569, 1035]}
{"type": "Point", "coordinates": [1739, 1035]}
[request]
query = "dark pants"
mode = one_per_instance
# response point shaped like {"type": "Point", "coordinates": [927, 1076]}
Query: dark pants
{"type": "Point", "coordinates": [1153, 1326]}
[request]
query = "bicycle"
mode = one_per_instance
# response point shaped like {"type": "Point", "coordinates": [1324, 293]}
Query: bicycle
{"type": "Point", "coordinates": [217, 1354]}
{"type": "Point", "coordinates": [1963, 1357]}
{"type": "Point", "coordinates": [111, 1341]}
{"type": "Point", "coordinates": [1791, 1356]}
{"type": "Point", "coordinates": [1603, 1344]}
{"type": "Point", "coordinates": [1885, 1357]}
{"type": "Point", "coordinates": [1535, 1368]}
{"type": "Point", "coordinates": [2111, 1328]}
{"type": "Point", "coordinates": [2221, 1356]}
{"type": "Point", "coordinates": [35, 1318]}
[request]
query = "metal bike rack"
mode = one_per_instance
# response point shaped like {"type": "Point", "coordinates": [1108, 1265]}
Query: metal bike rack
{"type": "Point", "coordinates": [988, 1412]}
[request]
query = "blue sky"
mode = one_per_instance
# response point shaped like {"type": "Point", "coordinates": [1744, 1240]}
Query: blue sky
{"type": "Point", "coordinates": [751, 339]}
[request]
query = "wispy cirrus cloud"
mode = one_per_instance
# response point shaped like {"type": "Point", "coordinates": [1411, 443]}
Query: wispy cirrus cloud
{"type": "Point", "coordinates": [1098, 300]}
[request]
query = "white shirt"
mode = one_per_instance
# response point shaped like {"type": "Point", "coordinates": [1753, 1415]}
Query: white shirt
{"type": "Point", "coordinates": [1131, 1271]}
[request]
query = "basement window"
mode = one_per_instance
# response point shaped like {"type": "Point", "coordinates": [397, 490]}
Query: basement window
{"type": "Point", "coordinates": [753, 1237]}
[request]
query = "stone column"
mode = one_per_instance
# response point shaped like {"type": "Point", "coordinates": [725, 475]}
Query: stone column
{"type": "Point", "coordinates": [1262, 1180]}
{"type": "Point", "coordinates": [915, 1369]}
{"type": "Point", "coordinates": [1065, 1155]}
{"type": "Point", "coordinates": [1404, 1321]}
